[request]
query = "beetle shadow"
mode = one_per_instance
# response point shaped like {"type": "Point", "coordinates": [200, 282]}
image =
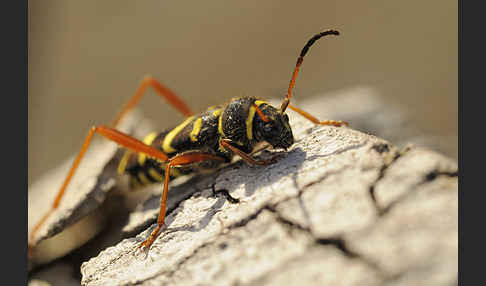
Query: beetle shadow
{"type": "Point", "coordinates": [208, 217]}
{"type": "Point", "coordinates": [287, 165]}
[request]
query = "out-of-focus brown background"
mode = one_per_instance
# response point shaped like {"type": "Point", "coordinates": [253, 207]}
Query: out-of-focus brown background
{"type": "Point", "coordinates": [86, 59]}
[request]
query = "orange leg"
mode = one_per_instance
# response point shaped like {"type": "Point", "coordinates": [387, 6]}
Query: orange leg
{"type": "Point", "coordinates": [113, 135]}
{"type": "Point", "coordinates": [317, 121]}
{"type": "Point", "coordinates": [163, 91]}
{"type": "Point", "coordinates": [178, 160]}
{"type": "Point", "coordinates": [246, 157]}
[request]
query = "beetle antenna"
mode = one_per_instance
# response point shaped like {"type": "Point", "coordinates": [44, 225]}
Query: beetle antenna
{"type": "Point", "coordinates": [304, 51]}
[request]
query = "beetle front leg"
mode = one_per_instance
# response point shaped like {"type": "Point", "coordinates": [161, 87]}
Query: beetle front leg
{"type": "Point", "coordinates": [178, 160]}
{"type": "Point", "coordinates": [246, 157]}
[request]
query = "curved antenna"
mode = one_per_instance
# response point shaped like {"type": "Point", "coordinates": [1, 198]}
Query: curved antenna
{"type": "Point", "coordinates": [304, 51]}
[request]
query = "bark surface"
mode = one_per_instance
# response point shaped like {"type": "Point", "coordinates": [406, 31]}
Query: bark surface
{"type": "Point", "coordinates": [341, 207]}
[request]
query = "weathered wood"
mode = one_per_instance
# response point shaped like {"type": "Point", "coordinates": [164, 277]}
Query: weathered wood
{"type": "Point", "coordinates": [341, 207]}
{"type": "Point", "coordinates": [79, 210]}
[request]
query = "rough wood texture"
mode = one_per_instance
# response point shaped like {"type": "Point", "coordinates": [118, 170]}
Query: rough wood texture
{"type": "Point", "coordinates": [340, 208]}
{"type": "Point", "coordinates": [80, 207]}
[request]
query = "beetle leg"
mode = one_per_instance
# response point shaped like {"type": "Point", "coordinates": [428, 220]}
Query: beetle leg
{"type": "Point", "coordinates": [113, 135]}
{"type": "Point", "coordinates": [178, 160]}
{"type": "Point", "coordinates": [246, 157]}
{"type": "Point", "coordinates": [315, 120]}
{"type": "Point", "coordinates": [163, 91]}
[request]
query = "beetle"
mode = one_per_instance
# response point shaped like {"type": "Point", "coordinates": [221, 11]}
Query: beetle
{"type": "Point", "coordinates": [201, 142]}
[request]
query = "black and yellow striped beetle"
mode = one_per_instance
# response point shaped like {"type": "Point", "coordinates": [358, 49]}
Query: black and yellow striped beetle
{"type": "Point", "coordinates": [202, 141]}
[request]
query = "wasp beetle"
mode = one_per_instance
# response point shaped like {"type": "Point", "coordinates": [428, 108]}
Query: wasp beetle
{"type": "Point", "coordinates": [200, 142]}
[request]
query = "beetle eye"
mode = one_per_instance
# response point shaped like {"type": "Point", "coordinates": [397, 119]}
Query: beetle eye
{"type": "Point", "coordinates": [267, 127]}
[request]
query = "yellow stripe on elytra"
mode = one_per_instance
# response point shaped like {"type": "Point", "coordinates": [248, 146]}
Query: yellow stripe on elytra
{"type": "Point", "coordinates": [217, 112]}
{"type": "Point", "coordinates": [249, 122]}
{"type": "Point", "coordinates": [220, 125]}
{"type": "Point", "coordinates": [123, 162]}
{"type": "Point", "coordinates": [147, 140]}
{"type": "Point", "coordinates": [260, 102]}
{"type": "Point", "coordinates": [249, 119]}
{"type": "Point", "coordinates": [154, 174]}
{"type": "Point", "coordinates": [196, 129]}
{"type": "Point", "coordinates": [170, 136]}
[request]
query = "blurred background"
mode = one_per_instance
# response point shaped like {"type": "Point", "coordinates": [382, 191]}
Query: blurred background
{"type": "Point", "coordinates": [86, 59]}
